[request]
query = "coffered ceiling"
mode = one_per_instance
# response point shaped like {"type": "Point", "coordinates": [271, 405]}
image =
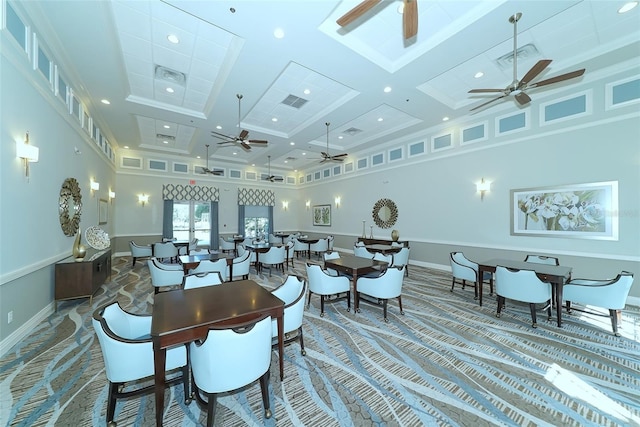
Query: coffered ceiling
{"type": "Point", "coordinates": [296, 69]}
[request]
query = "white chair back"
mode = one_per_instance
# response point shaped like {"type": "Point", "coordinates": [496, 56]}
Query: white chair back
{"type": "Point", "coordinates": [322, 283]}
{"type": "Point", "coordinates": [199, 280]}
{"type": "Point", "coordinates": [521, 285]}
{"type": "Point", "coordinates": [401, 258]}
{"type": "Point", "coordinates": [165, 250]}
{"type": "Point", "coordinates": [381, 257]}
{"type": "Point", "coordinates": [328, 256]}
{"type": "Point", "coordinates": [291, 292]}
{"type": "Point", "coordinates": [362, 252]}
{"type": "Point", "coordinates": [164, 274]}
{"type": "Point", "coordinates": [206, 265]}
{"type": "Point", "coordinates": [386, 285]}
{"type": "Point", "coordinates": [462, 268]}
{"type": "Point", "coordinates": [241, 265]}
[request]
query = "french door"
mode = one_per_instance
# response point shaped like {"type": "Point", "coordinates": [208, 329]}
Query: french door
{"type": "Point", "coordinates": [192, 219]}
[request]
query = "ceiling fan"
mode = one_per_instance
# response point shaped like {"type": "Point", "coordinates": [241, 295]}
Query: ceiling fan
{"type": "Point", "coordinates": [206, 170]}
{"type": "Point", "coordinates": [272, 178]}
{"type": "Point", "coordinates": [518, 88]}
{"type": "Point", "coordinates": [409, 15]}
{"type": "Point", "coordinates": [240, 140]}
{"type": "Point", "coordinates": [325, 155]}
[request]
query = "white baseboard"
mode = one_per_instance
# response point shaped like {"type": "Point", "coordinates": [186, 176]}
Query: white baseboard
{"type": "Point", "coordinates": [25, 329]}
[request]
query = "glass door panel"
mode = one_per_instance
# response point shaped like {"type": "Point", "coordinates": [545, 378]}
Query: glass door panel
{"type": "Point", "coordinates": [192, 219]}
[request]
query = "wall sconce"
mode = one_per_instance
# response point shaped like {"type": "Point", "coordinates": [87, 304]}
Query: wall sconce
{"type": "Point", "coordinates": [308, 204]}
{"type": "Point", "coordinates": [28, 153]}
{"type": "Point", "coordinates": [112, 195]}
{"type": "Point", "coordinates": [285, 205]}
{"type": "Point", "coordinates": [95, 186]}
{"type": "Point", "coordinates": [482, 187]}
{"type": "Point", "coordinates": [337, 202]}
{"type": "Point", "coordinates": [143, 199]}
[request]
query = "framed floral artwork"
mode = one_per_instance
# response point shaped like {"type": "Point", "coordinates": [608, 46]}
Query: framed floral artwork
{"type": "Point", "coordinates": [322, 215]}
{"type": "Point", "coordinates": [584, 211]}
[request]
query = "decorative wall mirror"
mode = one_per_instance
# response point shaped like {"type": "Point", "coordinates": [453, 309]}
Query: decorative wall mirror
{"type": "Point", "coordinates": [70, 206]}
{"type": "Point", "coordinates": [385, 213]}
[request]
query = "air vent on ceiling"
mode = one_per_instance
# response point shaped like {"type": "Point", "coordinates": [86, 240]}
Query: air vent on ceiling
{"type": "Point", "coordinates": [169, 75]}
{"type": "Point", "coordinates": [165, 137]}
{"type": "Point", "coordinates": [352, 131]}
{"type": "Point", "coordinates": [294, 101]}
{"type": "Point", "coordinates": [525, 52]}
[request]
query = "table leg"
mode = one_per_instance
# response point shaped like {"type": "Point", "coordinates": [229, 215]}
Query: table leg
{"type": "Point", "coordinates": [558, 286]}
{"type": "Point", "coordinates": [479, 283]}
{"type": "Point", "coordinates": [230, 271]}
{"type": "Point", "coordinates": [280, 322]}
{"type": "Point", "coordinates": [356, 297]}
{"type": "Point", "coordinates": [159, 359]}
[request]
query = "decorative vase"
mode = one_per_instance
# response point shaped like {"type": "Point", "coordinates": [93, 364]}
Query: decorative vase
{"type": "Point", "coordinates": [394, 235]}
{"type": "Point", "coordinates": [79, 250]}
{"type": "Point", "coordinates": [371, 236]}
{"type": "Point", "coordinates": [364, 233]}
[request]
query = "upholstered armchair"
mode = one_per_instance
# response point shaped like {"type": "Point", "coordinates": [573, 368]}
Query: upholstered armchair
{"type": "Point", "coordinates": [200, 280]}
{"type": "Point", "coordinates": [329, 256]}
{"type": "Point", "coordinates": [464, 269]}
{"type": "Point", "coordinates": [291, 292]}
{"type": "Point", "coordinates": [139, 251]}
{"type": "Point", "coordinates": [164, 274]}
{"type": "Point", "coordinates": [609, 294]}
{"type": "Point", "coordinates": [229, 359]}
{"type": "Point", "coordinates": [226, 246]}
{"type": "Point", "coordinates": [273, 258]}
{"type": "Point", "coordinates": [206, 265]}
{"type": "Point", "coordinates": [322, 245]}
{"type": "Point", "coordinates": [300, 247]}
{"type": "Point", "coordinates": [402, 259]}
{"type": "Point", "coordinates": [382, 288]}
{"type": "Point", "coordinates": [326, 286]}
{"type": "Point", "coordinates": [127, 350]}
{"type": "Point", "coordinates": [362, 252]}
{"type": "Point", "coordinates": [241, 265]}
{"type": "Point", "coordinates": [523, 286]}
{"type": "Point", "coordinates": [165, 250]}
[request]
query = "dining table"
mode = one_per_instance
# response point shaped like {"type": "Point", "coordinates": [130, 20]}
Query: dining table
{"type": "Point", "coordinates": [355, 267]}
{"type": "Point", "coordinates": [282, 236]}
{"type": "Point", "coordinates": [193, 261]}
{"type": "Point", "coordinates": [309, 242]}
{"type": "Point", "coordinates": [556, 275]}
{"type": "Point", "coordinates": [185, 315]}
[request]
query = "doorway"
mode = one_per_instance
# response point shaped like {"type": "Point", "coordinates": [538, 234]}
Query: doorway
{"type": "Point", "coordinates": [191, 220]}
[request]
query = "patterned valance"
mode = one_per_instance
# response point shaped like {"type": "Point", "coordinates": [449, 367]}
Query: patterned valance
{"type": "Point", "coordinates": [251, 197]}
{"type": "Point", "coordinates": [190, 192]}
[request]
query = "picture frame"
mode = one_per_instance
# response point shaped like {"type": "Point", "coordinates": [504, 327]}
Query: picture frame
{"type": "Point", "coordinates": [583, 211]}
{"type": "Point", "coordinates": [103, 211]}
{"type": "Point", "coordinates": [321, 215]}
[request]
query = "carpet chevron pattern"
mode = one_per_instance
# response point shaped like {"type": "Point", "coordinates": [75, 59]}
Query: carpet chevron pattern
{"type": "Point", "coordinates": [446, 361]}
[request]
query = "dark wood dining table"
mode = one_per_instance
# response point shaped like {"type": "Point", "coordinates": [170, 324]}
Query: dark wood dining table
{"type": "Point", "coordinates": [282, 236]}
{"type": "Point", "coordinates": [355, 266]}
{"type": "Point", "coordinates": [192, 261]}
{"type": "Point", "coordinates": [182, 316]}
{"type": "Point", "coordinates": [556, 275]}
{"type": "Point", "coordinates": [383, 249]}
{"type": "Point", "coordinates": [309, 242]}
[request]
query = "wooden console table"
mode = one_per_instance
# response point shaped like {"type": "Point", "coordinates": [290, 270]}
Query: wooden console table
{"type": "Point", "coordinates": [81, 279]}
{"type": "Point", "coordinates": [368, 241]}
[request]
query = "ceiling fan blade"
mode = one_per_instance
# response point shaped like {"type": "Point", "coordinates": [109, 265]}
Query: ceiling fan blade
{"type": "Point", "coordinates": [245, 146]}
{"type": "Point", "coordinates": [559, 78]}
{"type": "Point", "coordinates": [356, 12]}
{"type": "Point", "coordinates": [487, 103]}
{"type": "Point", "coordinates": [340, 155]}
{"type": "Point", "coordinates": [221, 135]}
{"type": "Point", "coordinates": [243, 134]}
{"type": "Point", "coordinates": [522, 98]}
{"type": "Point", "coordinates": [410, 18]}
{"type": "Point", "coordinates": [258, 141]}
{"type": "Point", "coordinates": [539, 67]}
{"type": "Point", "coordinates": [485, 90]}
{"type": "Point", "coordinates": [324, 154]}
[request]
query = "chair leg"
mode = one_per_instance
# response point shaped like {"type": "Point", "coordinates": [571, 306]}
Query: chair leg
{"type": "Point", "coordinates": [264, 388]}
{"type": "Point", "coordinates": [532, 308]}
{"type": "Point", "coordinates": [614, 322]}
{"type": "Point", "coordinates": [111, 402]}
{"type": "Point", "coordinates": [211, 408]}
{"type": "Point", "coordinates": [500, 305]}
{"type": "Point", "coordinates": [134, 262]}
{"type": "Point", "coordinates": [321, 305]}
{"type": "Point", "coordinates": [384, 310]}
{"type": "Point", "coordinates": [309, 300]}
{"type": "Point", "coordinates": [186, 383]}
{"type": "Point", "coordinates": [348, 300]}
{"type": "Point", "coordinates": [453, 283]}
{"type": "Point", "coordinates": [301, 338]}
{"type": "Point", "coordinates": [400, 304]}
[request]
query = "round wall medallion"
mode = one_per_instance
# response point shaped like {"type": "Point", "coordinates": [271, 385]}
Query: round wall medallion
{"type": "Point", "coordinates": [385, 213]}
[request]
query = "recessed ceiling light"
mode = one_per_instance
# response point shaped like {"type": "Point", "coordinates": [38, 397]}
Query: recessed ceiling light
{"type": "Point", "coordinates": [286, 161]}
{"type": "Point", "coordinates": [387, 89]}
{"type": "Point", "coordinates": [278, 33]}
{"type": "Point", "coordinates": [235, 152]}
{"type": "Point", "coordinates": [275, 119]}
{"type": "Point", "coordinates": [340, 137]}
{"type": "Point", "coordinates": [166, 127]}
{"type": "Point", "coordinates": [304, 154]}
{"type": "Point", "coordinates": [627, 7]}
{"type": "Point", "coordinates": [126, 146]}
{"type": "Point", "coordinates": [218, 127]}
{"type": "Point", "coordinates": [105, 101]}
{"type": "Point", "coordinates": [478, 74]}
{"type": "Point", "coordinates": [292, 143]}
{"type": "Point", "coordinates": [197, 157]}
{"type": "Point", "coordinates": [173, 38]}
{"type": "Point", "coordinates": [166, 142]}
{"type": "Point", "coordinates": [307, 91]}
{"type": "Point", "coordinates": [444, 119]}
{"type": "Point", "coordinates": [295, 170]}
{"type": "Point", "coordinates": [380, 119]}
{"type": "Point", "coordinates": [170, 90]}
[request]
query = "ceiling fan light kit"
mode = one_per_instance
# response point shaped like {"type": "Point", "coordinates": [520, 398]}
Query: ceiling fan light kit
{"type": "Point", "coordinates": [518, 88]}
{"type": "Point", "coordinates": [240, 140]}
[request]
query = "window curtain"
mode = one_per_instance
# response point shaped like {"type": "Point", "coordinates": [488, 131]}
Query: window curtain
{"type": "Point", "coordinates": [167, 219]}
{"type": "Point", "coordinates": [213, 235]}
{"type": "Point", "coordinates": [271, 227]}
{"type": "Point", "coordinates": [241, 220]}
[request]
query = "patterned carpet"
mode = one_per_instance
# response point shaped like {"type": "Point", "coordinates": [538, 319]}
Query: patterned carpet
{"type": "Point", "coordinates": [447, 361]}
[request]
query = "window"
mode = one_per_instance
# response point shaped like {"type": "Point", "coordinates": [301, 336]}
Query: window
{"type": "Point", "coordinates": [256, 221]}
